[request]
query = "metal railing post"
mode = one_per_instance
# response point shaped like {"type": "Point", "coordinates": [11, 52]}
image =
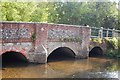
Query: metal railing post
{"type": "Point", "coordinates": [107, 32]}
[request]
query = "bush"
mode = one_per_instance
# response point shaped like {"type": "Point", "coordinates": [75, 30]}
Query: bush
{"type": "Point", "coordinates": [113, 47]}
{"type": "Point", "coordinates": [112, 43]}
{"type": "Point", "coordinates": [97, 40]}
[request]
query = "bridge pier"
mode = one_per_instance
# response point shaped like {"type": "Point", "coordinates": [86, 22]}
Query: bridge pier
{"type": "Point", "coordinates": [37, 57]}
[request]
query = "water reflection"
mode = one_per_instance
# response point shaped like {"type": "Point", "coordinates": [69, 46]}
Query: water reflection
{"type": "Point", "coordinates": [83, 68]}
{"type": "Point", "coordinates": [95, 75]}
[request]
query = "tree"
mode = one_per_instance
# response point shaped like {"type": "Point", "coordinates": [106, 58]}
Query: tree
{"type": "Point", "coordinates": [41, 13]}
{"type": "Point", "coordinates": [16, 11]}
{"type": "Point", "coordinates": [94, 14]}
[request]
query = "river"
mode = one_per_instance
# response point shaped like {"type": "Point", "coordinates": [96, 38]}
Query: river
{"type": "Point", "coordinates": [81, 68]}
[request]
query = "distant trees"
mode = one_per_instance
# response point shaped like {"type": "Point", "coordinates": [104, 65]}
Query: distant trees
{"type": "Point", "coordinates": [97, 14]}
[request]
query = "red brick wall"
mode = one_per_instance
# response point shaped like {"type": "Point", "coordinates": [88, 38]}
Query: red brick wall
{"type": "Point", "coordinates": [44, 32]}
{"type": "Point", "coordinates": [56, 32]}
{"type": "Point", "coordinates": [41, 33]}
{"type": "Point", "coordinates": [20, 32]}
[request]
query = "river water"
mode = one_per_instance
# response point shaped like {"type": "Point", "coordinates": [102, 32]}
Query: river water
{"type": "Point", "coordinates": [82, 68]}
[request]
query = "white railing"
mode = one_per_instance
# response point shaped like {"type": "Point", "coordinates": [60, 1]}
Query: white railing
{"type": "Point", "coordinates": [102, 32]}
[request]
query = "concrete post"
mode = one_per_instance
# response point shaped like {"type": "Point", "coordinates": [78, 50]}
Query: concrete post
{"type": "Point", "coordinates": [107, 33]}
{"type": "Point", "coordinates": [101, 32]}
{"type": "Point", "coordinates": [113, 32]}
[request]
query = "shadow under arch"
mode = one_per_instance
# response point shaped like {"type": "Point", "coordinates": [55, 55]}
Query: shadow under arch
{"type": "Point", "coordinates": [96, 52]}
{"type": "Point", "coordinates": [61, 53]}
{"type": "Point", "coordinates": [13, 59]}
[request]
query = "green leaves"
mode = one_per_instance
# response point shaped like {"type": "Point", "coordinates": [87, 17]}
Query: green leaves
{"type": "Point", "coordinates": [113, 47]}
{"type": "Point", "coordinates": [95, 14]}
{"type": "Point", "coordinates": [16, 11]}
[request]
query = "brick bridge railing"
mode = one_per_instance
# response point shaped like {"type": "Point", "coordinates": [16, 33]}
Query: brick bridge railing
{"type": "Point", "coordinates": [36, 41]}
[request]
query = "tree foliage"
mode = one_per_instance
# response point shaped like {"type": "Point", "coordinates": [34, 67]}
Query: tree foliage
{"type": "Point", "coordinates": [97, 14]}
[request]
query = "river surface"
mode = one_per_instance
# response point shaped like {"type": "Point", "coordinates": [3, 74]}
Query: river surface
{"type": "Point", "coordinates": [82, 68]}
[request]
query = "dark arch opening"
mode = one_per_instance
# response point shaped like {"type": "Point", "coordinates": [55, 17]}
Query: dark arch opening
{"type": "Point", "coordinates": [13, 59]}
{"type": "Point", "coordinates": [62, 53]}
{"type": "Point", "coordinates": [96, 52]}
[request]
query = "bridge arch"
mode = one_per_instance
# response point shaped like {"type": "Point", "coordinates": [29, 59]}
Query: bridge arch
{"type": "Point", "coordinates": [96, 52]}
{"type": "Point", "coordinates": [61, 53]}
{"type": "Point", "coordinates": [16, 51]}
{"type": "Point", "coordinates": [13, 57]}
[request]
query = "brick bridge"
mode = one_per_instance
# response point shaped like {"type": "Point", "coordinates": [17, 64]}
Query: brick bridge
{"type": "Point", "coordinates": [37, 41]}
